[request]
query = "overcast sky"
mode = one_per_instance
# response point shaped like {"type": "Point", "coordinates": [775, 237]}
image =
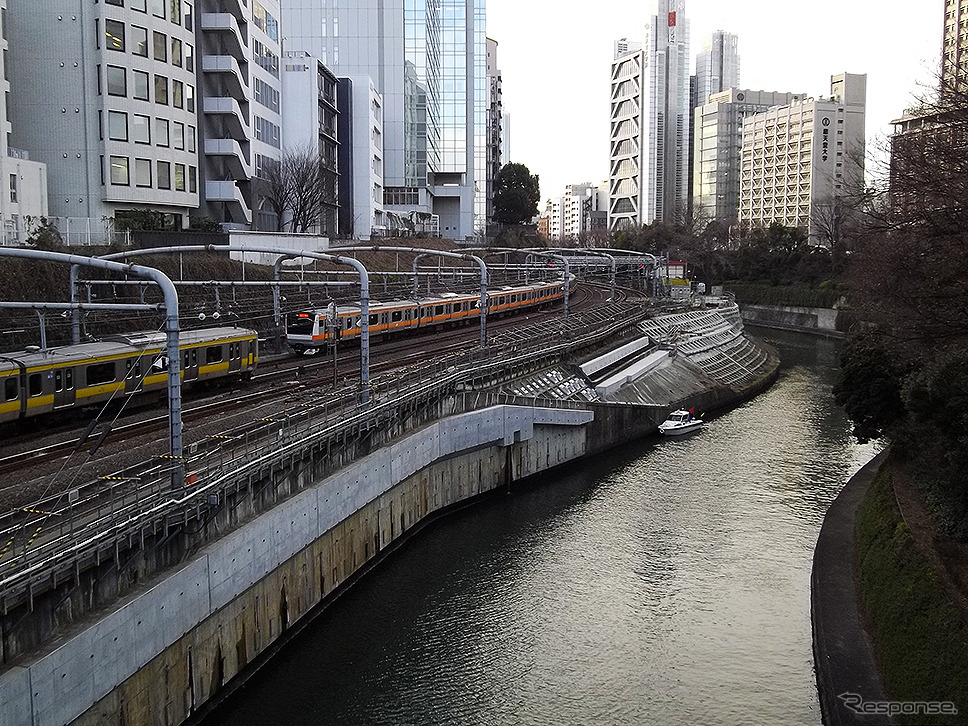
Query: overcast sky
{"type": "Point", "coordinates": [555, 57]}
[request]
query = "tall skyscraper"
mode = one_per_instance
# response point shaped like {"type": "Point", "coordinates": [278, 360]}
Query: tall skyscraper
{"type": "Point", "coordinates": [717, 65]}
{"type": "Point", "coordinates": [428, 61]}
{"type": "Point", "coordinates": [649, 136]}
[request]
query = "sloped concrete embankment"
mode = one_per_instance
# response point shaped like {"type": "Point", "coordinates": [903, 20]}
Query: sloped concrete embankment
{"type": "Point", "coordinates": [819, 321]}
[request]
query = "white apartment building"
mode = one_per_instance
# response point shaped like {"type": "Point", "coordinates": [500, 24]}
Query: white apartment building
{"type": "Point", "coordinates": [649, 123]}
{"type": "Point", "coordinates": [104, 95]}
{"type": "Point", "coordinates": [798, 159]}
{"type": "Point", "coordinates": [718, 148]}
{"type": "Point", "coordinates": [23, 196]}
{"type": "Point", "coordinates": [579, 211]}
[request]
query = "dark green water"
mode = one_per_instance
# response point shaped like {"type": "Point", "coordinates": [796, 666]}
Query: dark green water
{"type": "Point", "coordinates": [664, 583]}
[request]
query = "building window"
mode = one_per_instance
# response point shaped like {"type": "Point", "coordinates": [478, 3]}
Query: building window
{"type": "Point", "coordinates": [161, 90]}
{"type": "Point", "coordinates": [192, 179]}
{"type": "Point", "coordinates": [189, 57]}
{"type": "Point", "coordinates": [117, 81]}
{"type": "Point", "coordinates": [142, 172]}
{"type": "Point", "coordinates": [190, 98]}
{"type": "Point", "coordinates": [164, 175]}
{"type": "Point", "coordinates": [139, 5]}
{"type": "Point", "coordinates": [160, 43]}
{"type": "Point", "coordinates": [140, 129]}
{"type": "Point", "coordinates": [117, 126]}
{"type": "Point", "coordinates": [176, 52]}
{"type": "Point", "coordinates": [177, 94]}
{"type": "Point", "coordinates": [161, 132]}
{"type": "Point", "coordinates": [139, 41]}
{"type": "Point", "coordinates": [178, 135]}
{"type": "Point", "coordinates": [188, 16]}
{"type": "Point", "coordinates": [13, 188]}
{"type": "Point", "coordinates": [174, 10]}
{"type": "Point", "coordinates": [114, 35]}
{"type": "Point", "coordinates": [179, 177]}
{"type": "Point", "coordinates": [158, 8]}
{"type": "Point", "coordinates": [191, 139]}
{"type": "Point", "coordinates": [140, 79]}
{"type": "Point", "coordinates": [119, 171]}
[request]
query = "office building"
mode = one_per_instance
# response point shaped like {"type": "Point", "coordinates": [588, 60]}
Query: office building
{"type": "Point", "coordinates": [717, 65]}
{"type": "Point", "coordinates": [718, 149]}
{"type": "Point", "coordinates": [428, 61]}
{"type": "Point", "coordinates": [800, 158]}
{"type": "Point", "coordinates": [577, 215]}
{"type": "Point", "coordinates": [360, 158]}
{"type": "Point", "coordinates": [649, 123]}
{"type": "Point", "coordinates": [309, 130]}
{"type": "Point", "coordinates": [954, 51]}
{"type": "Point", "coordinates": [495, 119]}
{"type": "Point", "coordinates": [23, 196]}
{"type": "Point", "coordinates": [114, 118]}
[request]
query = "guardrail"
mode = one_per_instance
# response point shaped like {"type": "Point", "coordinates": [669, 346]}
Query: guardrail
{"type": "Point", "coordinates": [66, 533]}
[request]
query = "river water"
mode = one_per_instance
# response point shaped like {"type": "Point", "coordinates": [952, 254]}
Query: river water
{"type": "Point", "coordinates": [663, 583]}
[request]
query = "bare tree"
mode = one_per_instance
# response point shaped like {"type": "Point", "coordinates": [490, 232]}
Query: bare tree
{"type": "Point", "coordinates": [297, 187]}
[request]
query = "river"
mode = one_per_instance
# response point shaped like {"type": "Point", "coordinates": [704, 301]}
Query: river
{"type": "Point", "coordinates": [666, 582]}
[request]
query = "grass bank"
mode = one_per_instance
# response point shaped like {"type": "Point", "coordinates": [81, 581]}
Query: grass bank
{"type": "Point", "coordinates": [920, 636]}
{"type": "Point", "coordinates": [766, 293]}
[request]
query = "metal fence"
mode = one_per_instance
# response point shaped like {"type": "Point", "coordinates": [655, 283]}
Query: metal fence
{"type": "Point", "coordinates": [90, 521]}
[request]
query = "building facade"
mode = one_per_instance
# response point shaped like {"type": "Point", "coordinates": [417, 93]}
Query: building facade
{"type": "Point", "coordinates": [361, 158]}
{"type": "Point", "coordinates": [428, 61]}
{"type": "Point", "coordinates": [309, 129]}
{"type": "Point", "coordinates": [800, 158]}
{"type": "Point", "coordinates": [495, 120]}
{"type": "Point", "coordinates": [115, 120]}
{"type": "Point", "coordinates": [649, 123]}
{"type": "Point", "coordinates": [954, 52]}
{"type": "Point", "coordinates": [578, 215]}
{"type": "Point", "coordinates": [718, 149]}
{"type": "Point", "coordinates": [23, 196]}
{"type": "Point", "coordinates": [717, 65]}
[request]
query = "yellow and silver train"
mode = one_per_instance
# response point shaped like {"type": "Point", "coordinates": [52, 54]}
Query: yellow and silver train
{"type": "Point", "coordinates": [314, 329]}
{"type": "Point", "coordinates": [35, 383]}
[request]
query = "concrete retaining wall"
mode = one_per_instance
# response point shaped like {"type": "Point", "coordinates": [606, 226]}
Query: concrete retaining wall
{"type": "Point", "coordinates": [174, 646]}
{"type": "Point", "coordinates": [823, 321]}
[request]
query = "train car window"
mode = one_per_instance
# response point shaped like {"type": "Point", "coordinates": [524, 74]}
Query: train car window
{"type": "Point", "coordinates": [396, 316]}
{"type": "Point", "coordinates": [194, 357]}
{"type": "Point", "coordinates": [35, 385]}
{"type": "Point", "coordinates": [373, 319]}
{"type": "Point", "coordinates": [10, 389]}
{"type": "Point", "coordinates": [383, 318]}
{"type": "Point", "coordinates": [439, 310]}
{"type": "Point", "coordinates": [58, 381]}
{"type": "Point", "coordinates": [458, 307]}
{"type": "Point", "coordinates": [69, 379]}
{"type": "Point", "coordinates": [100, 373]}
{"type": "Point", "coordinates": [213, 354]}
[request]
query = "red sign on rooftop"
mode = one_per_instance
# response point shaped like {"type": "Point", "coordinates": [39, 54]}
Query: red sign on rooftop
{"type": "Point", "coordinates": [672, 20]}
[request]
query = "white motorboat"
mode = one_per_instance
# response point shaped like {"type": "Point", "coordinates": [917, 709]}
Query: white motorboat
{"type": "Point", "coordinates": [680, 422]}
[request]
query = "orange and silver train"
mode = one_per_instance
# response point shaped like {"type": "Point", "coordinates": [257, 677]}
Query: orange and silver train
{"type": "Point", "coordinates": [34, 382]}
{"type": "Point", "coordinates": [312, 330]}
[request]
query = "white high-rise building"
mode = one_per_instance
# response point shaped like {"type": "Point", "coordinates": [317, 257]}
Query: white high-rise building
{"type": "Point", "coordinates": [577, 213]}
{"type": "Point", "coordinates": [717, 65]}
{"type": "Point", "coordinates": [718, 149]}
{"type": "Point", "coordinates": [649, 123]}
{"type": "Point", "coordinates": [798, 159]}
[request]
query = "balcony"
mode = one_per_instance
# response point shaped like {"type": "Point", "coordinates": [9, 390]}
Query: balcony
{"type": "Point", "coordinates": [228, 26]}
{"type": "Point", "coordinates": [232, 154]}
{"type": "Point", "coordinates": [236, 119]}
{"type": "Point", "coordinates": [229, 194]}
{"type": "Point", "coordinates": [236, 80]}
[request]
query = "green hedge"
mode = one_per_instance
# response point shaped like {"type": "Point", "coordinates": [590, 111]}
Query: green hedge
{"type": "Point", "coordinates": [765, 293]}
{"type": "Point", "coordinates": [920, 636]}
